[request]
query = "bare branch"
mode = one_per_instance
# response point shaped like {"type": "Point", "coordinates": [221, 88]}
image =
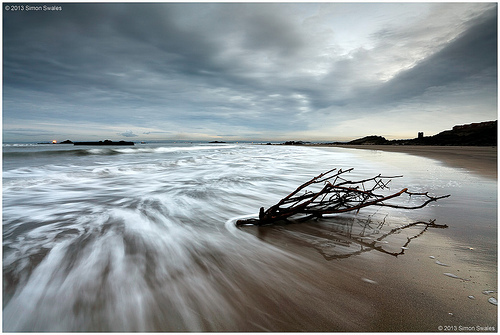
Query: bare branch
{"type": "Point", "coordinates": [338, 195]}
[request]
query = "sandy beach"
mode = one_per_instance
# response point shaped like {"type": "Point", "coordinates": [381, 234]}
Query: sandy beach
{"type": "Point", "coordinates": [441, 283]}
{"type": "Point", "coordinates": [482, 160]}
{"type": "Point", "coordinates": [143, 239]}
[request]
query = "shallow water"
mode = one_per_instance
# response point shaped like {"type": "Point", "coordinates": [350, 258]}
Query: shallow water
{"type": "Point", "coordinates": [142, 238]}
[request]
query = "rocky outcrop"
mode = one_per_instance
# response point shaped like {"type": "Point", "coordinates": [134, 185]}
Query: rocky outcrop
{"type": "Point", "coordinates": [474, 134]}
{"type": "Point", "coordinates": [370, 140]}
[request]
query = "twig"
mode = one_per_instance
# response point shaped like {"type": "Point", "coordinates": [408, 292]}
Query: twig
{"type": "Point", "coordinates": [337, 195]}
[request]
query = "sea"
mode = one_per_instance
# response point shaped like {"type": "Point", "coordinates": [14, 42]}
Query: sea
{"type": "Point", "coordinates": [143, 237]}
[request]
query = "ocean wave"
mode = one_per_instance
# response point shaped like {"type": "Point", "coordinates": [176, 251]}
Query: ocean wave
{"type": "Point", "coordinates": [141, 238]}
{"type": "Point", "coordinates": [104, 151]}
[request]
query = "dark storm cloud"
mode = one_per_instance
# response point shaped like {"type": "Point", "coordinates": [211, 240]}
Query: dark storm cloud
{"type": "Point", "coordinates": [473, 53]}
{"type": "Point", "coordinates": [127, 55]}
{"type": "Point", "coordinates": [92, 45]}
{"type": "Point", "coordinates": [260, 27]}
{"type": "Point", "coordinates": [223, 68]}
{"type": "Point", "coordinates": [470, 56]}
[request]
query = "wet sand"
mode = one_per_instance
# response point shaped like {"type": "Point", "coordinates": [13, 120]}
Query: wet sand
{"type": "Point", "coordinates": [482, 160]}
{"type": "Point", "coordinates": [375, 292]}
{"type": "Point", "coordinates": [372, 291]}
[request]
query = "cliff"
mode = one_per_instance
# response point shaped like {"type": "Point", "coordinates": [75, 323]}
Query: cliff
{"type": "Point", "coordinates": [474, 134]}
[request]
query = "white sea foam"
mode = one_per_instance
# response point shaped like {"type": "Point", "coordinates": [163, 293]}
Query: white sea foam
{"type": "Point", "coordinates": [143, 238]}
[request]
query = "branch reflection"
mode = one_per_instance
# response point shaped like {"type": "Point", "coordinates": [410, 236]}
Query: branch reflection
{"type": "Point", "coordinates": [342, 237]}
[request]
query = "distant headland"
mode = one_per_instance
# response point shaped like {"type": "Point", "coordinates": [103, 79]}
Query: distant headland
{"type": "Point", "coordinates": [473, 134]}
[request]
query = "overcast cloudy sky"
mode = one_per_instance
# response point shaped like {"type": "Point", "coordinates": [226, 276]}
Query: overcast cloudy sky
{"type": "Point", "coordinates": [240, 71]}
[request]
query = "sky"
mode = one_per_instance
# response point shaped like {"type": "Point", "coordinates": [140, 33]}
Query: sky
{"type": "Point", "coordinates": [246, 71]}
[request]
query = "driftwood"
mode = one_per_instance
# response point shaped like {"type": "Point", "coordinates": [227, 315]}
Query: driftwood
{"type": "Point", "coordinates": [337, 195]}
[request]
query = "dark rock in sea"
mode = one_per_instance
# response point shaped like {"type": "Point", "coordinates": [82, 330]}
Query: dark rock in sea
{"type": "Point", "coordinates": [105, 142]}
{"type": "Point", "coordinates": [295, 143]}
{"type": "Point", "coordinates": [217, 142]}
{"type": "Point", "coordinates": [66, 142]}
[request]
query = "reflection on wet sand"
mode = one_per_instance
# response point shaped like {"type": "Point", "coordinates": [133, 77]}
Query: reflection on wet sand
{"type": "Point", "coordinates": [345, 236]}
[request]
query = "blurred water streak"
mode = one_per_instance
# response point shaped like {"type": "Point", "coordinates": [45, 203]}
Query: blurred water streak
{"type": "Point", "coordinates": [136, 239]}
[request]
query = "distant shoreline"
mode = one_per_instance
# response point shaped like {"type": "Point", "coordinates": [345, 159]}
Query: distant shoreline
{"type": "Point", "coordinates": [479, 159]}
